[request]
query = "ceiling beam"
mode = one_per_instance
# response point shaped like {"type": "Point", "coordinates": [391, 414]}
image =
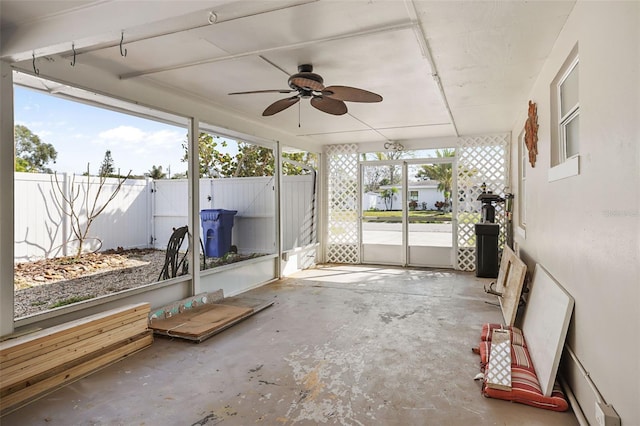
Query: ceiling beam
{"type": "Point", "coordinates": [100, 22]}
{"type": "Point", "coordinates": [426, 52]}
{"type": "Point", "coordinates": [101, 25]}
{"type": "Point", "coordinates": [259, 52]}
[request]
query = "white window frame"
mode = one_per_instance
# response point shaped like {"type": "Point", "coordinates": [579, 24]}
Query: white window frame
{"type": "Point", "coordinates": [562, 166]}
{"type": "Point", "coordinates": [567, 118]}
{"type": "Point", "coordinates": [417, 195]}
{"type": "Point", "coordinates": [522, 180]}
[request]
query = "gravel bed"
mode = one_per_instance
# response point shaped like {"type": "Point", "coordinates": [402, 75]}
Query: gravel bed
{"type": "Point", "coordinates": [46, 284]}
{"type": "Point", "coordinates": [140, 269]}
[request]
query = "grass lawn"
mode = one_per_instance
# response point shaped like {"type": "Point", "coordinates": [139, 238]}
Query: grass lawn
{"type": "Point", "coordinates": [415, 216]}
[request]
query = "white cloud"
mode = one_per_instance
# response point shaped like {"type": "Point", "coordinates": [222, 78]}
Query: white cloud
{"type": "Point", "coordinates": [137, 149]}
{"type": "Point", "coordinates": [31, 107]}
{"type": "Point", "coordinates": [122, 135]}
{"type": "Point", "coordinates": [129, 135]}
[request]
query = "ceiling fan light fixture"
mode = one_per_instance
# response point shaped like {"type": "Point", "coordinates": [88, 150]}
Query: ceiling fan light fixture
{"type": "Point", "coordinates": [394, 146]}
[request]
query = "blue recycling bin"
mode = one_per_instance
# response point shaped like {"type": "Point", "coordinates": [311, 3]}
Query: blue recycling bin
{"type": "Point", "coordinates": [216, 229]}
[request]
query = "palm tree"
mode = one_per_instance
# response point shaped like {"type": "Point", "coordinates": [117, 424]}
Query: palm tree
{"type": "Point", "coordinates": [442, 172]}
{"type": "Point", "coordinates": [156, 172]}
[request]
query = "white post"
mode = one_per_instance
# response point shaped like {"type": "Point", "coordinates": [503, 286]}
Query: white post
{"type": "Point", "coordinates": [194, 204]}
{"type": "Point", "coordinates": [7, 160]}
{"type": "Point", "coordinates": [150, 189]}
{"type": "Point", "coordinates": [279, 205]}
{"type": "Point", "coordinates": [66, 234]}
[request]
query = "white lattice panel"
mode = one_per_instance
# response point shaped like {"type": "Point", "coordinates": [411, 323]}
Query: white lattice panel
{"type": "Point", "coordinates": [481, 159]}
{"type": "Point", "coordinates": [499, 366]}
{"type": "Point", "coordinates": [342, 175]}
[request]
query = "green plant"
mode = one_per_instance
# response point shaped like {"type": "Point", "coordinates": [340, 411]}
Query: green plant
{"type": "Point", "coordinates": [71, 300]}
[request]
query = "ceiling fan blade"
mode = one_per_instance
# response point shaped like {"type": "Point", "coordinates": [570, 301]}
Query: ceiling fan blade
{"type": "Point", "coordinates": [307, 83]}
{"type": "Point", "coordinates": [280, 105]}
{"type": "Point", "coordinates": [350, 94]}
{"type": "Point", "coordinates": [328, 105]}
{"type": "Point", "coordinates": [263, 91]}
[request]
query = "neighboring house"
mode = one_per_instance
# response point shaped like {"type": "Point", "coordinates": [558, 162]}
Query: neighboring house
{"type": "Point", "coordinates": [425, 191]}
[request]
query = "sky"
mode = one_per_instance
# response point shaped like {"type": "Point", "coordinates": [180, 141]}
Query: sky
{"type": "Point", "coordinates": [82, 134]}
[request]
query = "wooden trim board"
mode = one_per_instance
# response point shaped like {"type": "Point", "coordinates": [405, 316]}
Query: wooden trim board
{"type": "Point", "coordinates": [118, 351]}
{"type": "Point", "coordinates": [37, 363]}
{"type": "Point", "coordinates": [545, 325]}
{"type": "Point", "coordinates": [68, 330]}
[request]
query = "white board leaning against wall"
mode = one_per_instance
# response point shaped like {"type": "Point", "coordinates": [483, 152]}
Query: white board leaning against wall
{"type": "Point", "coordinates": [545, 325]}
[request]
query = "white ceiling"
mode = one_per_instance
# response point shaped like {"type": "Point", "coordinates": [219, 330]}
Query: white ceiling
{"type": "Point", "coordinates": [443, 68]}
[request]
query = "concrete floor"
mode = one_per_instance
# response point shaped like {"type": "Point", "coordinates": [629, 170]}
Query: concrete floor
{"type": "Point", "coordinates": [348, 345]}
{"type": "Point", "coordinates": [420, 234]}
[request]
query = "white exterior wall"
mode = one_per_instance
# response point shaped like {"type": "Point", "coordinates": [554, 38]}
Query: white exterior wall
{"type": "Point", "coordinates": [429, 196]}
{"type": "Point", "coordinates": [585, 229]}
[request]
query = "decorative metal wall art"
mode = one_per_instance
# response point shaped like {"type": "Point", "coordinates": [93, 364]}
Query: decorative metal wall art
{"type": "Point", "coordinates": [531, 133]}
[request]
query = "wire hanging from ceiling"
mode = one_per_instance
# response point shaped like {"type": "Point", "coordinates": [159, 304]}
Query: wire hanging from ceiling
{"type": "Point", "coordinates": [121, 40]}
{"type": "Point", "coordinates": [35, 70]}
{"type": "Point", "coordinates": [73, 47]}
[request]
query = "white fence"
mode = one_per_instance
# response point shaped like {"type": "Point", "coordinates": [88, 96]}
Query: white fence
{"type": "Point", "coordinates": [144, 213]}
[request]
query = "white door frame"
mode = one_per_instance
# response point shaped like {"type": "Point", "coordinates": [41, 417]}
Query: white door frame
{"type": "Point", "coordinates": [405, 255]}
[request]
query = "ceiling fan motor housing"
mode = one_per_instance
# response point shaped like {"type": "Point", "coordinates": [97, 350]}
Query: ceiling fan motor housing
{"type": "Point", "coordinates": [306, 81]}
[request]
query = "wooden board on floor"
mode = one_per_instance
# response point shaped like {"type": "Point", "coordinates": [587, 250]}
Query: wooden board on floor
{"type": "Point", "coordinates": [509, 283]}
{"type": "Point", "coordinates": [246, 301]}
{"type": "Point", "coordinates": [201, 322]}
{"type": "Point", "coordinates": [545, 325]}
{"type": "Point", "coordinates": [185, 304]}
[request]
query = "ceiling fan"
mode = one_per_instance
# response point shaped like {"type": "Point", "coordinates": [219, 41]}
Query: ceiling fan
{"type": "Point", "coordinates": [330, 99]}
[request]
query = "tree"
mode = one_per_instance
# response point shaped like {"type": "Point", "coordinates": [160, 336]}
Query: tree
{"type": "Point", "coordinates": [254, 160]}
{"type": "Point", "coordinates": [32, 154]}
{"type": "Point", "coordinates": [442, 172]}
{"type": "Point", "coordinates": [106, 168]}
{"type": "Point", "coordinates": [212, 163]}
{"type": "Point", "coordinates": [251, 160]}
{"type": "Point", "coordinates": [388, 195]}
{"type": "Point", "coordinates": [82, 211]}
{"type": "Point", "coordinates": [306, 158]}
{"type": "Point", "coordinates": [377, 176]}
{"type": "Point", "coordinates": [157, 173]}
